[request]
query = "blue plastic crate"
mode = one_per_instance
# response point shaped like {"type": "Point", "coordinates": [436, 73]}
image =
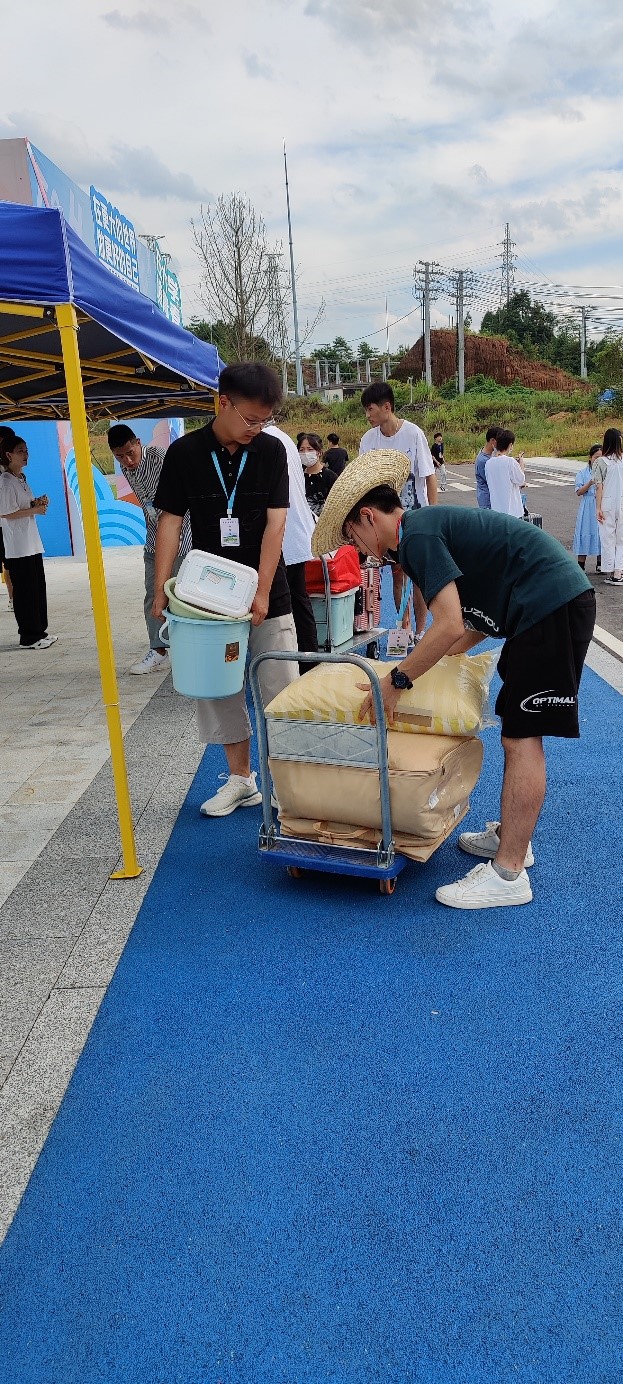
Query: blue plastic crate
{"type": "Point", "coordinates": [342, 617]}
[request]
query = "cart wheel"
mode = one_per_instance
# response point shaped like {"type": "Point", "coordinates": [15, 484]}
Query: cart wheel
{"type": "Point", "coordinates": [387, 886]}
{"type": "Point", "coordinates": [295, 872]}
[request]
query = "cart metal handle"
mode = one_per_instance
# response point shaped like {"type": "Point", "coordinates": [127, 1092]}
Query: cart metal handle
{"type": "Point", "coordinates": [268, 827]}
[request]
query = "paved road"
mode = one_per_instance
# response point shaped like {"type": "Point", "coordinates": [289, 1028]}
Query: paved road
{"type": "Point", "coordinates": [550, 492]}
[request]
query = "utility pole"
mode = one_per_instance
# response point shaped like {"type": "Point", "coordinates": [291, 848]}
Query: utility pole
{"type": "Point", "coordinates": [460, 331]}
{"type": "Point", "coordinates": [300, 388]}
{"type": "Point", "coordinates": [426, 287]}
{"type": "Point", "coordinates": [583, 369]}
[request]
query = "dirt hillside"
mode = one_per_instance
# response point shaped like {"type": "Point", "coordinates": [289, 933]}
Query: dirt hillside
{"type": "Point", "coordinates": [484, 355]}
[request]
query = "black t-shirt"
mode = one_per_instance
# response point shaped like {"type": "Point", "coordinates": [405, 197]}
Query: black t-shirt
{"type": "Point", "coordinates": [436, 452]}
{"type": "Point", "coordinates": [509, 574]}
{"type": "Point", "coordinates": [189, 481]}
{"type": "Point", "coordinates": [336, 459]}
{"type": "Point", "coordinates": [317, 488]}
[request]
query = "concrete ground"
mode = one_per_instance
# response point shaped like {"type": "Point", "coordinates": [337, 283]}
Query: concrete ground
{"type": "Point", "coordinates": [63, 921]}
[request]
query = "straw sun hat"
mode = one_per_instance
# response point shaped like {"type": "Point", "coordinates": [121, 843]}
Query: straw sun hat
{"type": "Point", "coordinates": [381, 467]}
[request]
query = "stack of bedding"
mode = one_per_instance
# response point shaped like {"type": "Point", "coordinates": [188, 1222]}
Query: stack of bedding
{"type": "Point", "coordinates": [324, 761]}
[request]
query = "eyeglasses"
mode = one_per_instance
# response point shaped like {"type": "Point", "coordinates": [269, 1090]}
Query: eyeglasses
{"type": "Point", "coordinates": [254, 423]}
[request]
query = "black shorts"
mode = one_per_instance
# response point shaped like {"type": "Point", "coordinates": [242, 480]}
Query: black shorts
{"type": "Point", "coordinates": [541, 670]}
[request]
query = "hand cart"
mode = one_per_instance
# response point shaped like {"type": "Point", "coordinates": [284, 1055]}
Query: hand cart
{"type": "Point", "coordinates": [368, 637]}
{"type": "Point", "coordinates": [298, 854]}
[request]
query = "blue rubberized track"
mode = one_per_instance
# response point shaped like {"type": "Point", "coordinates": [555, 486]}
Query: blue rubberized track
{"type": "Point", "coordinates": [320, 1135]}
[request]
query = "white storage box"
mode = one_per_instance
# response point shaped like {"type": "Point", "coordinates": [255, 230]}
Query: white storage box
{"type": "Point", "coordinates": [216, 583]}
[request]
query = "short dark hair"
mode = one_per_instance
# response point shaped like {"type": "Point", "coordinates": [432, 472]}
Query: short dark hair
{"type": "Point", "coordinates": [492, 433]}
{"type": "Point", "coordinates": [313, 438]}
{"type": "Point", "coordinates": [8, 443]}
{"type": "Point", "coordinates": [504, 439]}
{"type": "Point", "coordinates": [594, 449]}
{"type": "Point", "coordinates": [377, 393]}
{"type": "Point", "coordinates": [437, 434]}
{"type": "Point", "coordinates": [333, 438]}
{"type": "Point", "coordinates": [119, 434]}
{"type": "Point", "coordinates": [383, 497]}
{"type": "Point", "coordinates": [612, 443]}
{"type": "Point", "coordinates": [249, 379]}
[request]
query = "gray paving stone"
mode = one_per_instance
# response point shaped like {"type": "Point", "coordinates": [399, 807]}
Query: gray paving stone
{"type": "Point", "coordinates": [55, 898]}
{"type": "Point", "coordinates": [96, 952]}
{"type": "Point", "coordinates": [35, 1087]}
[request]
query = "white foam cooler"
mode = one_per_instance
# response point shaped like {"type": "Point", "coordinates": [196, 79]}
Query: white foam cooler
{"type": "Point", "coordinates": [216, 583]}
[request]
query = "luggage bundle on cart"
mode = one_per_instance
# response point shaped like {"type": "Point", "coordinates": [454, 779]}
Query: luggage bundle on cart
{"type": "Point", "coordinates": [346, 599]}
{"type": "Point", "coordinates": [359, 798]}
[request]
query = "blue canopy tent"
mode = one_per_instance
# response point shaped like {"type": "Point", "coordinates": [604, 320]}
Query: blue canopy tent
{"type": "Point", "coordinates": [77, 341]}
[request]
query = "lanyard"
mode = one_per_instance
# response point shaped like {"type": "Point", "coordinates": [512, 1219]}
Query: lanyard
{"type": "Point", "coordinates": [406, 592]}
{"type": "Point", "coordinates": [231, 498]}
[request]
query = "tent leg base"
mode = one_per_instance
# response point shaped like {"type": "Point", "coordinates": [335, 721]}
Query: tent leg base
{"type": "Point", "coordinates": [127, 874]}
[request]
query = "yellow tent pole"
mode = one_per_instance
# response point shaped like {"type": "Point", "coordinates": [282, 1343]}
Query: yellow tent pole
{"type": "Point", "coordinates": [68, 328]}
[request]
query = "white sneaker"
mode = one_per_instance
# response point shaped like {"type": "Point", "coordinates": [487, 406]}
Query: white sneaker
{"type": "Point", "coordinates": [486, 843]}
{"type": "Point", "coordinates": [153, 662]}
{"type": "Point", "coordinates": [484, 888]}
{"type": "Point", "coordinates": [236, 792]}
{"type": "Point", "coordinates": [11, 606]}
{"type": "Point", "coordinates": [45, 643]}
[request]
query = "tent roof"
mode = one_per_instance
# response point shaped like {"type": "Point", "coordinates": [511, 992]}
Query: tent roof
{"type": "Point", "coordinates": [135, 362]}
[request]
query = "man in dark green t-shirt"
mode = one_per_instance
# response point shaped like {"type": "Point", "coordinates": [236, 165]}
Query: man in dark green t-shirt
{"type": "Point", "coordinates": [481, 573]}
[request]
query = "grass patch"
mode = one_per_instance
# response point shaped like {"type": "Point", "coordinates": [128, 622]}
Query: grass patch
{"type": "Point", "coordinates": [545, 424]}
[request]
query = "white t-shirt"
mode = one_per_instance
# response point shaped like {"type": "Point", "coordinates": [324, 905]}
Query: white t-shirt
{"type": "Point", "coordinates": [412, 441]}
{"type": "Point", "coordinates": [504, 478]}
{"type": "Point", "coordinates": [21, 536]}
{"type": "Point", "coordinates": [300, 522]}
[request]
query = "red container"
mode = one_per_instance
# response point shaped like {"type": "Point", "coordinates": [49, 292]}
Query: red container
{"type": "Point", "coordinates": [344, 573]}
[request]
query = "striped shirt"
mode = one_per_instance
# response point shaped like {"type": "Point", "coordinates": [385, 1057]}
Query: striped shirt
{"type": "Point", "coordinates": [144, 482]}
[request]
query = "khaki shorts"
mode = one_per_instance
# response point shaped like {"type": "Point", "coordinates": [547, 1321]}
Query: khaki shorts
{"type": "Point", "coordinates": [226, 721]}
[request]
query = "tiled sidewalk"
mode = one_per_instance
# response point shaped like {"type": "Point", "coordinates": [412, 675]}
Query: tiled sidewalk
{"type": "Point", "coordinates": [64, 923]}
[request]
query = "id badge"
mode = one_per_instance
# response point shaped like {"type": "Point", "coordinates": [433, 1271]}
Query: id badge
{"type": "Point", "coordinates": [397, 643]}
{"type": "Point", "coordinates": [230, 533]}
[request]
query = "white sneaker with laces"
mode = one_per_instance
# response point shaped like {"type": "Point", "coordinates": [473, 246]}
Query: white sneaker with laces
{"type": "Point", "coordinates": [44, 643]}
{"type": "Point", "coordinates": [235, 792]}
{"type": "Point", "coordinates": [484, 888]}
{"type": "Point", "coordinates": [153, 662]}
{"type": "Point", "coordinates": [486, 844]}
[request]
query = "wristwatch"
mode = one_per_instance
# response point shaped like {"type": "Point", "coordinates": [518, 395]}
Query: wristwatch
{"type": "Point", "coordinates": [400, 681]}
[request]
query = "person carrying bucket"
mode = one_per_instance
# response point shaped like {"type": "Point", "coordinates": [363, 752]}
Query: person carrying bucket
{"type": "Point", "coordinates": [232, 478]}
{"type": "Point", "coordinates": [482, 574]}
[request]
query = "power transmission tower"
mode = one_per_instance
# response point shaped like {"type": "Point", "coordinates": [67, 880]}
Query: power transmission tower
{"type": "Point", "coordinates": [508, 259]}
{"type": "Point", "coordinates": [277, 332]}
{"type": "Point", "coordinates": [427, 284]}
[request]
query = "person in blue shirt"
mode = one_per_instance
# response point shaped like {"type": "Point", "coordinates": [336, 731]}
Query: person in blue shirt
{"type": "Point", "coordinates": [482, 490]}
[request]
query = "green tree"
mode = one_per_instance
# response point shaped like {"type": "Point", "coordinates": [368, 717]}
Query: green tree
{"type": "Point", "coordinates": [339, 351]}
{"type": "Point", "coordinates": [365, 351]}
{"type": "Point", "coordinates": [524, 323]}
{"type": "Point", "coordinates": [608, 363]}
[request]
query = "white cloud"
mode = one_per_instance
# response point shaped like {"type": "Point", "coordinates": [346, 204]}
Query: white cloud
{"type": "Point", "coordinates": [415, 128]}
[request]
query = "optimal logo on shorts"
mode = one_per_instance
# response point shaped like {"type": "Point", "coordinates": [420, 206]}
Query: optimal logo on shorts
{"type": "Point", "coordinates": [548, 700]}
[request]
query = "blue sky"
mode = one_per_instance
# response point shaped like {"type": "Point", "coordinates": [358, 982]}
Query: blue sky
{"type": "Point", "coordinates": [415, 130]}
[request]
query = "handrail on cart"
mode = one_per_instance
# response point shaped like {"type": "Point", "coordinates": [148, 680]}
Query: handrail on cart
{"type": "Point", "coordinates": [268, 836]}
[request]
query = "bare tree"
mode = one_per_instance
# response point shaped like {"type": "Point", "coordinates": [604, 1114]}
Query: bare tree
{"type": "Point", "coordinates": [230, 241]}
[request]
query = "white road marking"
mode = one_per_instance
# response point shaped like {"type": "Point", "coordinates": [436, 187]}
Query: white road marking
{"type": "Point", "coordinates": [608, 641]}
{"type": "Point", "coordinates": [458, 485]}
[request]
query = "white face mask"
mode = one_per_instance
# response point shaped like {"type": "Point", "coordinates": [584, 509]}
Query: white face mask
{"type": "Point", "coordinates": [308, 458]}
